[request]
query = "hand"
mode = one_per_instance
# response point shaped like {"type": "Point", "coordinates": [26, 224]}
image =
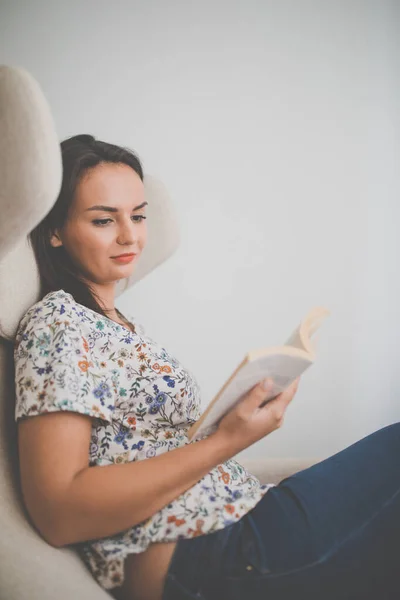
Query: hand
{"type": "Point", "coordinates": [248, 421]}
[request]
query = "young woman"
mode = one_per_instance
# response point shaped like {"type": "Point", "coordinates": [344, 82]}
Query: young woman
{"type": "Point", "coordinates": [103, 412]}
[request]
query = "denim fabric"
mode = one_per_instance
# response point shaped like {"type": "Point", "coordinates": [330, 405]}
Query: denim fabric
{"type": "Point", "coordinates": [329, 532]}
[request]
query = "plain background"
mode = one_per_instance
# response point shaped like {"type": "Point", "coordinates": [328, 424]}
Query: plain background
{"type": "Point", "coordinates": [275, 127]}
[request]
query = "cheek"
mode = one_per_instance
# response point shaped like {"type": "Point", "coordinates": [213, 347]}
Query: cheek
{"type": "Point", "coordinates": [98, 240]}
{"type": "Point", "coordinates": [88, 242]}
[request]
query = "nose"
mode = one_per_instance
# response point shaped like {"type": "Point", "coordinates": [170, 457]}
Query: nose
{"type": "Point", "coordinates": [126, 235]}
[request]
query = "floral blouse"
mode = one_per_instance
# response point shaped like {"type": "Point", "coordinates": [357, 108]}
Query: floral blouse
{"type": "Point", "coordinates": [142, 400]}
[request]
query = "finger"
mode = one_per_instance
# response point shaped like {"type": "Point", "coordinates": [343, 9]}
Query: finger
{"type": "Point", "coordinates": [259, 393]}
{"type": "Point", "coordinates": [284, 399]}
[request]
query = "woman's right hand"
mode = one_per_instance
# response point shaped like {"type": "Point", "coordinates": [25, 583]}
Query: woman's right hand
{"type": "Point", "coordinates": [247, 423]}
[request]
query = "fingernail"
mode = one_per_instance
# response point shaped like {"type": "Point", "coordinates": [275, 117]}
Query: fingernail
{"type": "Point", "coordinates": [267, 384]}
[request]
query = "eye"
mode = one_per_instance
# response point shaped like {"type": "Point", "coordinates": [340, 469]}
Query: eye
{"type": "Point", "coordinates": [101, 222]}
{"type": "Point", "coordinates": [138, 218]}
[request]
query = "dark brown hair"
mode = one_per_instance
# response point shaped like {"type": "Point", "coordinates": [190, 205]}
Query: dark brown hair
{"type": "Point", "coordinates": [56, 269]}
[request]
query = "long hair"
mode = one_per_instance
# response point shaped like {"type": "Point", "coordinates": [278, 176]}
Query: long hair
{"type": "Point", "coordinates": [56, 269]}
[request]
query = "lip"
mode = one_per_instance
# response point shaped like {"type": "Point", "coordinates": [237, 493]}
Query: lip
{"type": "Point", "coordinates": [124, 258]}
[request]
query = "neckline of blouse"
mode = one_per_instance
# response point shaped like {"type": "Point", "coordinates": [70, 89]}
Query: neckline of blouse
{"type": "Point", "coordinates": [99, 316]}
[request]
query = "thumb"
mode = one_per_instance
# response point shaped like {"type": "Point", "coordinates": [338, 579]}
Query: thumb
{"type": "Point", "coordinates": [284, 398]}
{"type": "Point", "coordinates": [260, 393]}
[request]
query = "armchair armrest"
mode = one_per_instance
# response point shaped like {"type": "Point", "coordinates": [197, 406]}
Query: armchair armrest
{"type": "Point", "coordinates": [273, 470]}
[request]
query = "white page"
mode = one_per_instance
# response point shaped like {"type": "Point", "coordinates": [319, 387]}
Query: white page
{"type": "Point", "coordinates": [283, 369]}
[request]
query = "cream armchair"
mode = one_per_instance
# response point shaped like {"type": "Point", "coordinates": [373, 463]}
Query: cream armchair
{"type": "Point", "coordinates": [30, 175]}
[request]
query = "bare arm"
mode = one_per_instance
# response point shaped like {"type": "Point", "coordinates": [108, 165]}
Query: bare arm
{"type": "Point", "coordinates": [134, 491]}
{"type": "Point", "coordinates": [69, 501]}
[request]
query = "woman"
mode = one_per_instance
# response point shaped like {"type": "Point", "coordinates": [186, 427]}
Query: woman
{"type": "Point", "coordinates": [103, 412]}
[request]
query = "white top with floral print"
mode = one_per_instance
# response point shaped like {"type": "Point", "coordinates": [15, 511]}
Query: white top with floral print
{"type": "Point", "coordinates": [69, 357]}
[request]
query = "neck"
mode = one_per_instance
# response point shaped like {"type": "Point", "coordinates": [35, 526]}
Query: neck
{"type": "Point", "coordinates": [106, 296]}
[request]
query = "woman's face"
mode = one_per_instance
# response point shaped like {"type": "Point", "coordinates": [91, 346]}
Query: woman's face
{"type": "Point", "coordinates": [105, 221]}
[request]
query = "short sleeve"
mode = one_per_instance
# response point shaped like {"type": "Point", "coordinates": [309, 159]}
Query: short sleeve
{"type": "Point", "coordinates": [54, 368]}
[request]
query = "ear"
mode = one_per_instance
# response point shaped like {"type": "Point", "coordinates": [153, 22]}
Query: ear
{"type": "Point", "coordinates": [55, 240]}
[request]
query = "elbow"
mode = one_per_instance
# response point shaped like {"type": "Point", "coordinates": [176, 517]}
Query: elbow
{"type": "Point", "coordinates": [54, 541]}
{"type": "Point", "coordinates": [64, 529]}
{"type": "Point", "coordinates": [50, 535]}
{"type": "Point", "coordinates": [59, 533]}
{"type": "Point", "coordinates": [52, 516]}
{"type": "Point", "coordinates": [49, 528]}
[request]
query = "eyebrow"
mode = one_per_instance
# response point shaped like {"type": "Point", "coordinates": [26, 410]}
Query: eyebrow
{"type": "Point", "coordinates": [113, 209]}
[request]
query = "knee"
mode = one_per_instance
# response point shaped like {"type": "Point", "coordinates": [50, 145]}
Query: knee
{"type": "Point", "coordinates": [395, 427]}
{"type": "Point", "coordinates": [392, 431]}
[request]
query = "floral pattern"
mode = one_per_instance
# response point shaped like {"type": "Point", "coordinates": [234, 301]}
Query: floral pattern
{"type": "Point", "coordinates": [142, 400]}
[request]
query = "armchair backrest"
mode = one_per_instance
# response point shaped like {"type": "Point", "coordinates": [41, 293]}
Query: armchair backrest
{"type": "Point", "coordinates": [30, 176]}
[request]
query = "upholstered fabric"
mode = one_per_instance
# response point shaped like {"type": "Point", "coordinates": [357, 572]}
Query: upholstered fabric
{"type": "Point", "coordinates": [30, 156]}
{"type": "Point", "coordinates": [163, 231]}
{"type": "Point", "coordinates": [273, 470]}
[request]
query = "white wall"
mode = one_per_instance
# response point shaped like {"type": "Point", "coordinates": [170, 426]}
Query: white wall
{"type": "Point", "coordinates": [275, 126]}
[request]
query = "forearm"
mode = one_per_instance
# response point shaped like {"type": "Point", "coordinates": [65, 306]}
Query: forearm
{"type": "Point", "coordinates": [105, 500]}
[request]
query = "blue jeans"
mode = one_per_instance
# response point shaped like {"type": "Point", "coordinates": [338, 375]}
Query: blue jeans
{"type": "Point", "coordinates": [329, 532]}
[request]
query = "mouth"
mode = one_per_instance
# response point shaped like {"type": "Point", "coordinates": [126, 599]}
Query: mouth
{"type": "Point", "coordinates": [124, 258]}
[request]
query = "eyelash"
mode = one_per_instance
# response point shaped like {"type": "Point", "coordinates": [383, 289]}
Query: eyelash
{"type": "Point", "coordinates": [103, 222]}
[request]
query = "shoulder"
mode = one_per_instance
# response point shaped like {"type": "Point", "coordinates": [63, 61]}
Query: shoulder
{"type": "Point", "coordinates": [57, 309]}
{"type": "Point", "coordinates": [54, 366]}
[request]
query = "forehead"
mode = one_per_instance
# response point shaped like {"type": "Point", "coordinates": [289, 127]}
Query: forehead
{"type": "Point", "coordinates": [111, 184]}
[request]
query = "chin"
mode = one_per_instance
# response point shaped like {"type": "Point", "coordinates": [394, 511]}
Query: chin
{"type": "Point", "coordinates": [124, 271]}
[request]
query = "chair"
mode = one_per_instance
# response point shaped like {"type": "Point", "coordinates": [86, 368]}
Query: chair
{"type": "Point", "coordinates": [30, 175]}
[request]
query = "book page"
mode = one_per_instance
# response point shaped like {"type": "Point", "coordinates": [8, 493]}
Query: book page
{"type": "Point", "coordinates": [301, 337]}
{"type": "Point", "coordinates": [282, 368]}
{"type": "Point", "coordinates": [295, 340]}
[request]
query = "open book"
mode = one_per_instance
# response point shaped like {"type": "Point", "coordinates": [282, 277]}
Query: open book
{"type": "Point", "coordinates": [283, 364]}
